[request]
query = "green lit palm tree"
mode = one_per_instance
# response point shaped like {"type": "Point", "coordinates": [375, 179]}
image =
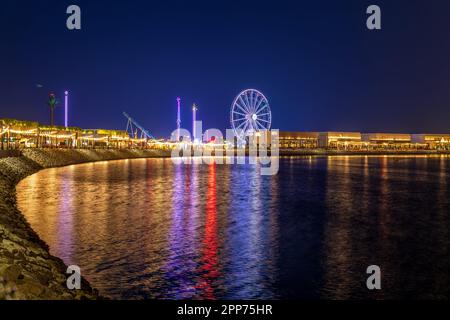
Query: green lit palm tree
{"type": "Point", "coordinates": [52, 102]}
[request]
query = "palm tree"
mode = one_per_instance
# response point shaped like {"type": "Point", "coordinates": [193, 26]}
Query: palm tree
{"type": "Point", "coordinates": [52, 102]}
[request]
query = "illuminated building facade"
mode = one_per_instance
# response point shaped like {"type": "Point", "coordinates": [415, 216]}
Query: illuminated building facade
{"type": "Point", "coordinates": [340, 140]}
{"type": "Point", "coordinates": [391, 141]}
{"type": "Point", "coordinates": [432, 141]}
{"type": "Point", "coordinates": [363, 141]}
{"type": "Point", "coordinates": [16, 134]}
{"type": "Point", "coordinates": [298, 140]}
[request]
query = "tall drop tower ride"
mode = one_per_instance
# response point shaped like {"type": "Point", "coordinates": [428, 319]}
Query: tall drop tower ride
{"type": "Point", "coordinates": [194, 111]}
{"type": "Point", "coordinates": [66, 108]}
{"type": "Point", "coordinates": [178, 119]}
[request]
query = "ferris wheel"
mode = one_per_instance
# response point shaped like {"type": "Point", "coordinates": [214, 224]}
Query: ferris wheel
{"type": "Point", "coordinates": [250, 112]}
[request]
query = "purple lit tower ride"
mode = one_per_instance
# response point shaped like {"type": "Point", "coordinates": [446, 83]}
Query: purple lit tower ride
{"type": "Point", "coordinates": [66, 109]}
{"type": "Point", "coordinates": [194, 110]}
{"type": "Point", "coordinates": [178, 119]}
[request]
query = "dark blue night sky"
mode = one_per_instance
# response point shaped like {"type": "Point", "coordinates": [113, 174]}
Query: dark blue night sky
{"type": "Point", "coordinates": [315, 60]}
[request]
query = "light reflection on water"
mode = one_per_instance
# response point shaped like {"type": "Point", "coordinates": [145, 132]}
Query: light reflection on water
{"type": "Point", "coordinates": [147, 228]}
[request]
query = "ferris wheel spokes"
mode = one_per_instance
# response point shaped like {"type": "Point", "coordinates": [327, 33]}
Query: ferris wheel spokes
{"type": "Point", "coordinates": [250, 112]}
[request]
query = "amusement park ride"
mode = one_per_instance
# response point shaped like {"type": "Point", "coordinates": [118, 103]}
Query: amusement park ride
{"type": "Point", "coordinates": [250, 113]}
{"type": "Point", "coordinates": [250, 116]}
{"type": "Point", "coordinates": [133, 128]}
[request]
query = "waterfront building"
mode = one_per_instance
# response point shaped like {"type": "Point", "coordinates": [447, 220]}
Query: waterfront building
{"type": "Point", "coordinates": [17, 134]}
{"type": "Point", "coordinates": [105, 138]}
{"type": "Point", "coordinates": [391, 141]}
{"type": "Point", "coordinates": [57, 136]}
{"type": "Point", "coordinates": [340, 140]}
{"type": "Point", "coordinates": [14, 133]}
{"type": "Point", "coordinates": [298, 140]}
{"type": "Point", "coordinates": [432, 141]}
{"type": "Point", "coordinates": [267, 137]}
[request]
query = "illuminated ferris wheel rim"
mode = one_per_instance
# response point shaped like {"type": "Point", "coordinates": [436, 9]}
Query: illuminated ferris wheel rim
{"type": "Point", "coordinates": [250, 112]}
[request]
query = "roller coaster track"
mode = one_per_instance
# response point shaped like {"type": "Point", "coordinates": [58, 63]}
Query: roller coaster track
{"type": "Point", "coordinates": [133, 127]}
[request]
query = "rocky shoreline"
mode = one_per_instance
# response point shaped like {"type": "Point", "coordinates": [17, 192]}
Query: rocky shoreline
{"type": "Point", "coordinates": [27, 270]}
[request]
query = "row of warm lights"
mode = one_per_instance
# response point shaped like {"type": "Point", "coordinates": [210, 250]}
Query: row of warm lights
{"type": "Point", "coordinates": [58, 136]}
{"type": "Point", "coordinates": [297, 138]}
{"type": "Point", "coordinates": [385, 144]}
{"type": "Point", "coordinates": [92, 138]}
{"type": "Point", "coordinates": [119, 138]}
{"type": "Point", "coordinates": [351, 141]}
{"type": "Point", "coordinates": [336, 138]}
{"type": "Point", "coordinates": [33, 131]}
{"type": "Point", "coordinates": [365, 142]}
{"type": "Point", "coordinates": [442, 140]}
{"type": "Point", "coordinates": [392, 139]}
{"type": "Point", "coordinates": [54, 134]}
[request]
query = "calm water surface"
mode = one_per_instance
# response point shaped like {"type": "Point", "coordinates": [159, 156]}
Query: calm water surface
{"type": "Point", "coordinates": [147, 228]}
